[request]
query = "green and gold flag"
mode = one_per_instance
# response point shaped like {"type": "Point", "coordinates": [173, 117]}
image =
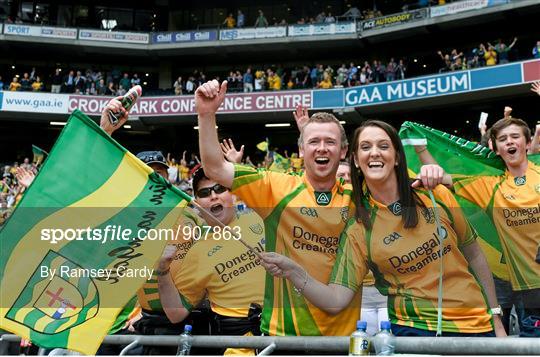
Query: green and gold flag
{"type": "Point", "coordinates": [263, 145]}
{"type": "Point", "coordinates": [39, 154]}
{"type": "Point", "coordinates": [82, 240]}
{"type": "Point", "coordinates": [280, 163]}
{"type": "Point", "coordinates": [462, 158]}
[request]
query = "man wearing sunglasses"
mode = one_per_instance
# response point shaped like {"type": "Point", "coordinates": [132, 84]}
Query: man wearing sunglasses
{"type": "Point", "coordinates": [218, 266]}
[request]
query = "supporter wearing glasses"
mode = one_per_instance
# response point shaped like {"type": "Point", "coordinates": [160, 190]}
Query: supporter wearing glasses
{"type": "Point", "coordinates": [235, 292]}
{"type": "Point", "coordinates": [217, 199]}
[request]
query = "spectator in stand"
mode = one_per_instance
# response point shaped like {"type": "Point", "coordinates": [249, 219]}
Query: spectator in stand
{"type": "Point", "coordinates": [56, 81]}
{"type": "Point", "coordinates": [401, 70]}
{"type": "Point", "coordinates": [92, 90]}
{"type": "Point", "coordinates": [26, 84]}
{"type": "Point", "coordinates": [353, 14]}
{"type": "Point", "coordinates": [240, 19]}
{"type": "Point", "coordinates": [69, 84]}
{"type": "Point", "coordinates": [326, 83]}
{"type": "Point", "coordinates": [101, 88]}
{"type": "Point", "coordinates": [259, 81]}
{"type": "Point", "coordinates": [491, 56]}
{"type": "Point", "coordinates": [79, 83]}
{"type": "Point", "coordinates": [447, 62]}
{"type": "Point", "coordinates": [15, 85]}
{"type": "Point", "coordinates": [456, 60]}
{"type": "Point", "coordinates": [125, 81]}
{"type": "Point", "coordinates": [369, 72]}
{"type": "Point", "coordinates": [274, 81]}
{"type": "Point", "coordinates": [391, 70]}
{"type": "Point", "coordinates": [303, 79]}
{"type": "Point", "coordinates": [341, 77]}
{"type": "Point", "coordinates": [248, 81]}
{"type": "Point", "coordinates": [320, 17]}
{"type": "Point", "coordinates": [190, 85]}
{"type": "Point", "coordinates": [481, 55]}
{"type": "Point", "coordinates": [121, 90]}
{"type": "Point", "coordinates": [229, 21]}
{"type": "Point", "coordinates": [353, 70]}
{"type": "Point", "coordinates": [290, 83]}
{"type": "Point", "coordinates": [37, 86]}
{"type": "Point", "coordinates": [330, 19]}
{"type": "Point", "coordinates": [352, 82]}
{"type": "Point", "coordinates": [381, 71]}
{"type": "Point", "coordinates": [135, 80]}
{"type": "Point", "coordinates": [111, 90]}
{"type": "Point", "coordinates": [503, 50]}
{"type": "Point", "coordinates": [536, 50]}
{"type": "Point", "coordinates": [363, 76]}
{"type": "Point", "coordinates": [261, 20]}
{"type": "Point", "coordinates": [1, 84]}
{"type": "Point", "coordinates": [178, 86]}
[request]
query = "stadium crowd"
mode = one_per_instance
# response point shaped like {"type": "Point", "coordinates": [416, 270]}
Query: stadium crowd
{"type": "Point", "coordinates": [261, 78]}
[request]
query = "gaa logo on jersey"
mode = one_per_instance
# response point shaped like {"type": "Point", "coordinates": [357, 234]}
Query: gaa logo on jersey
{"type": "Point", "coordinates": [520, 181]}
{"type": "Point", "coordinates": [537, 188]}
{"type": "Point", "coordinates": [311, 212]}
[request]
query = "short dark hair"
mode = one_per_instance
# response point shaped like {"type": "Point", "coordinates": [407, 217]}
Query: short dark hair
{"type": "Point", "coordinates": [198, 176]}
{"type": "Point", "coordinates": [408, 198]}
{"type": "Point", "coordinates": [323, 117]}
{"type": "Point", "coordinates": [506, 122]}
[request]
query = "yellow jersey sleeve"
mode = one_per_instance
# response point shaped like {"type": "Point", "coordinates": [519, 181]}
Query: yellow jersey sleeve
{"type": "Point", "coordinates": [477, 189]}
{"type": "Point", "coordinates": [350, 267]}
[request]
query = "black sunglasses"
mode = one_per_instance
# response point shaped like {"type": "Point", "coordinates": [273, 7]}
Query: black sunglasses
{"type": "Point", "coordinates": [207, 191]}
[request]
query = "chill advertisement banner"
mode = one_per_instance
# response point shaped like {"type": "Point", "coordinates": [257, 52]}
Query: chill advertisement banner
{"type": "Point", "coordinates": [187, 36]}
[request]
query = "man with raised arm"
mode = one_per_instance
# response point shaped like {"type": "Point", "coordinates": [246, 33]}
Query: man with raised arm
{"type": "Point", "coordinates": [303, 214]}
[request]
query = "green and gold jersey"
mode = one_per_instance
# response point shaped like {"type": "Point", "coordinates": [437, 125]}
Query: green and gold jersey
{"type": "Point", "coordinates": [305, 226]}
{"type": "Point", "coordinates": [406, 265]}
{"type": "Point", "coordinates": [224, 269]}
{"type": "Point", "coordinates": [513, 204]}
{"type": "Point", "coordinates": [148, 294]}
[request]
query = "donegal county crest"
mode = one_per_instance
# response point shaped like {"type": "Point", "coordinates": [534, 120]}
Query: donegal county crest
{"type": "Point", "coordinates": [52, 301]}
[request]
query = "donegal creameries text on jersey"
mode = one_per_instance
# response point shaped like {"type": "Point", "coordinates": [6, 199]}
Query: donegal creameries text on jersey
{"type": "Point", "coordinates": [513, 204]}
{"type": "Point", "coordinates": [225, 270]}
{"type": "Point", "coordinates": [305, 226]}
{"type": "Point", "coordinates": [406, 265]}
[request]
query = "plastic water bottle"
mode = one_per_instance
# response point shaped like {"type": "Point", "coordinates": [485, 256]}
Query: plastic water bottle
{"type": "Point", "coordinates": [359, 345]}
{"type": "Point", "coordinates": [185, 345]}
{"type": "Point", "coordinates": [384, 341]}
